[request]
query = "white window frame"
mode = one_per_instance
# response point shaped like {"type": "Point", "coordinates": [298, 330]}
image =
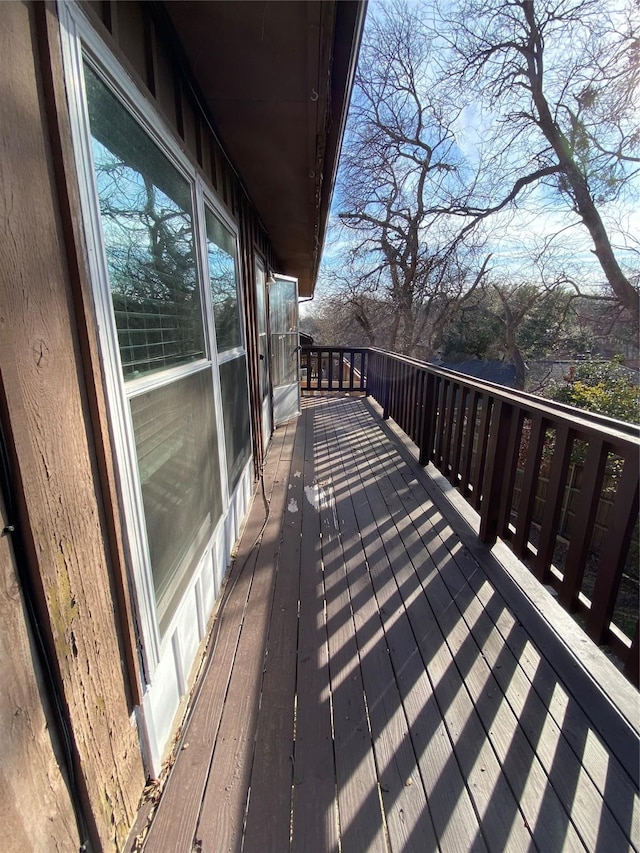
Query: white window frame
{"type": "Point", "coordinates": [79, 42]}
{"type": "Point", "coordinates": [207, 198]}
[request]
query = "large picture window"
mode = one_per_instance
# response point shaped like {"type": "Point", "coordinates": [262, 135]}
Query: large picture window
{"type": "Point", "coordinates": [146, 213]}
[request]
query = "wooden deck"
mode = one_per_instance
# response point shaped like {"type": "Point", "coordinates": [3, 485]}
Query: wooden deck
{"type": "Point", "coordinates": [372, 684]}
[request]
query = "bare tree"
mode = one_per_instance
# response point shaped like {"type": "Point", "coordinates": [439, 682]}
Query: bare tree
{"type": "Point", "coordinates": [558, 82]}
{"type": "Point", "coordinates": [401, 169]}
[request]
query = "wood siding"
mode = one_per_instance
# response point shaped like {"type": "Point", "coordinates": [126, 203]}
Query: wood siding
{"type": "Point", "coordinates": [31, 782]}
{"type": "Point", "coordinates": [49, 426]}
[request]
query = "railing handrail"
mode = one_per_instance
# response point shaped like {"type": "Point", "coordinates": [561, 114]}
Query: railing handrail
{"type": "Point", "coordinates": [579, 417]}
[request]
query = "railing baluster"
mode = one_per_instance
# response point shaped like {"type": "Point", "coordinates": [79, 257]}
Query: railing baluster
{"type": "Point", "coordinates": [553, 504]}
{"type": "Point", "coordinates": [583, 522]}
{"type": "Point", "coordinates": [481, 449]}
{"type": "Point", "coordinates": [529, 484]}
{"type": "Point", "coordinates": [614, 550]}
{"type": "Point", "coordinates": [450, 411]}
{"type": "Point", "coordinates": [428, 418]}
{"type": "Point", "coordinates": [469, 436]}
{"type": "Point", "coordinates": [463, 394]}
{"type": "Point", "coordinates": [511, 453]}
{"type": "Point", "coordinates": [494, 478]}
{"type": "Point", "coordinates": [440, 421]}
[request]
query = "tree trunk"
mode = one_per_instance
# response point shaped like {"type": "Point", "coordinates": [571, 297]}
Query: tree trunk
{"type": "Point", "coordinates": [579, 188]}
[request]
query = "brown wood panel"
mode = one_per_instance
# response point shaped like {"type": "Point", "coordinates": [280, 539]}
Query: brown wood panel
{"type": "Point", "coordinates": [36, 812]}
{"type": "Point", "coordinates": [190, 124]}
{"type": "Point", "coordinates": [71, 216]}
{"type": "Point", "coordinates": [130, 35]}
{"type": "Point", "coordinates": [51, 435]}
{"type": "Point", "coordinates": [164, 79]}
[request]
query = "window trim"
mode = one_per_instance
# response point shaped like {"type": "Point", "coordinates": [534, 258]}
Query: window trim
{"type": "Point", "coordinates": [207, 198]}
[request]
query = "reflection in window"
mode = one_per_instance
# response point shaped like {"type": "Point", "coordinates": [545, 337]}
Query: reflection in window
{"type": "Point", "coordinates": [284, 331]}
{"type": "Point", "coordinates": [235, 408]}
{"type": "Point", "coordinates": [221, 252]}
{"type": "Point", "coordinates": [147, 222]}
{"type": "Point", "coordinates": [177, 452]}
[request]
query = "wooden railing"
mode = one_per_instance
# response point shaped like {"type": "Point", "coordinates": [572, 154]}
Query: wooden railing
{"type": "Point", "coordinates": [333, 368]}
{"type": "Point", "coordinates": [483, 438]}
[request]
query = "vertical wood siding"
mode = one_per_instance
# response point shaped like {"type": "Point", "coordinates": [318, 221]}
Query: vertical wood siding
{"type": "Point", "coordinates": [49, 428]}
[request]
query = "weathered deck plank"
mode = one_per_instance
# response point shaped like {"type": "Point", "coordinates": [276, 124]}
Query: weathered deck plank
{"type": "Point", "coordinates": [174, 828]}
{"type": "Point", "coordinates": [361, 821]}
{"type": "Point", "coordinates": [314, 820]}
{"type": "Point", "coordinates": [269, 815]}
{"type": "Point", "coordinates": [221, 822]}
{"type": "Point", "coordinates": [370, 689]}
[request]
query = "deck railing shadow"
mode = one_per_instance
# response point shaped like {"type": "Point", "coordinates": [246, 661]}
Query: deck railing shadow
{"type": "Point", "coordinates": [371, 685]}
{"type": "Point", "coordinates": [513, 457]}
{"type": "Point", "coordinates": [424, 650]}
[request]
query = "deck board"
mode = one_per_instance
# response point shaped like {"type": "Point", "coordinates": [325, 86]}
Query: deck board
{"type": "Point", "coordinates": [369, 688]}
{"type": "Point", "coordinates": [359, 808]}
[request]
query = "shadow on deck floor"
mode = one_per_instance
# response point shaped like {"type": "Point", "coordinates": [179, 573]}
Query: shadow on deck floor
{"type": "Point", "coordinates": [369, 688]}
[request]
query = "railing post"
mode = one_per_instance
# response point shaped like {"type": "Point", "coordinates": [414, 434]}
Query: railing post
{"type": "Point", "coordinates": [632, 664]}
{"type": "Point", "coordinates": [494, 477]}
{"type": "Point", "coordinates": [386, 370]}
{"type": "Point", "coordinates": [429, 419]}
{"type": "Point", "coordinates": [582, 527]}
{"type": "Point", "coordinates": [614, 550]}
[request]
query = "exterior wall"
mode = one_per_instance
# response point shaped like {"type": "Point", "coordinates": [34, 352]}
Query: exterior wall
{"type": "Point", "coordinates": [54, 418]}
{"type": "Point", "coordinates": [48, 423]}
{"type": "Point", "coordinates": [31, 781]}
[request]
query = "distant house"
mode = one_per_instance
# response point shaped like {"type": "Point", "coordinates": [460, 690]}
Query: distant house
{"type": "Point", "coordinates": [167, 170]}
{"type": "Point", "coordinates": [500, 372]}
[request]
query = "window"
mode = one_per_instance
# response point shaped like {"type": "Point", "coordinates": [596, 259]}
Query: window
{"type": "Point", "coordinates": [221, 253]}
{"type": "Point", "coordinates": [147, 220]}
{"type": "Point", "coordinates": [176, 448]}
{"type": "Point", "coordinates": [233, 383]}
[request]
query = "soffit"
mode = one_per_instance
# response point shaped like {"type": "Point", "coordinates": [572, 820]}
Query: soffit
{"type": "Point", "coordinates": [275, 77]}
